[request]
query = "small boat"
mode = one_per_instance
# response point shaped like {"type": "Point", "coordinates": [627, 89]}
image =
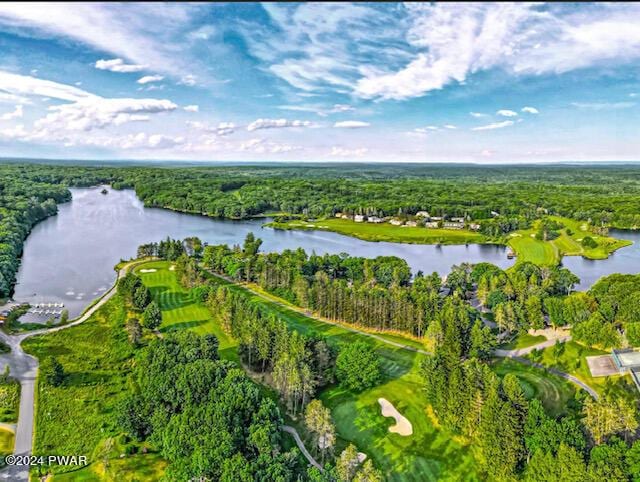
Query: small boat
{"type": "Point", "coordinates": [511, 254]}
{"type": "Point", "coordinates": [104, 191]}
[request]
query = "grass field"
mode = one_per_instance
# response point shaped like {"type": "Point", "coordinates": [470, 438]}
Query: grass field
{"type": "Point", "coordinates": [554, 392]}
{"type": "Point", "coordinates": [549, 253]}
{"type": "Point", "coordinates": [79, 416]}
{"type": "Point", "coordinates": [387, 232]}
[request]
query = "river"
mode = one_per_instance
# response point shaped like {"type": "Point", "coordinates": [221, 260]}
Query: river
{"type": "Point", "coordinates": [69, 258]}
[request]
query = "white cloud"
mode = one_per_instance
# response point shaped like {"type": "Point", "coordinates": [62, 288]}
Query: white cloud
{"type": "Point", "coordinates": [118, 65]}
{"type": "Point", "coordinates": [351, 124]}
{"type": "Point", "coordinates": [507, 113]}
{"type": "Point", "coordinates": [530, 110]}
{"type": "Point", "coordinates": [495, 125]}
{"type": "Point", "coordinates": [603, 105]}
{"type": "Point", "coordinates": [188, 79]}
{"type": "Point", "coordinates": [276, 124]}
{"type": "Point", "coordinates": [222, 129]}
{"type": "Point", "coordinates": [262, 146]}
{"type": "Point", "coordinates": [449, 126]}
{"type": "Point", "coordinates": [337, 151]}
{"type": "Point", "coordinates": [16, 132]}
{"type": "Point", "coordinates": [23, 85]}
{"type": "Point", "coordinates": [409, 50]}
{"type": "Point", "coordinates": [192, 108]}
{"type": "Point", "coordinates": [142, 34]}
{"type": "Point", "coordinates": [149, 78]}
{"type": "Point", "coordinates": [478, 114]}
{"type": "Point", "coordinates": [98, 112]}
{"type": "Point", "coordinates": [15, 114]}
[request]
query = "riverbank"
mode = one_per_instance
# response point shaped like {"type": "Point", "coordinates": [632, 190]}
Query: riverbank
{"type": "Point", "coordinates": [523, 242]}
{"type": "Point", "coordinates": [387, 232]}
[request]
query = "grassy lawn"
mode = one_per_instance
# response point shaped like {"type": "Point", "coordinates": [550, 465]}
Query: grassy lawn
{"type": "Point", "coordinates": [79, 416]}
{"type": "Point", "coordinates": [523, 340]}
{"type": "Point", "coordinates": [387, 232]}
{"type": "Point", "coordinates": [573, 361]}
{"type": "Point", "coordinates": [549, 253]}
{"type": "Point", "coordinates": [9, 400]}
{"type": "Point", "coordinates": [555, 392]}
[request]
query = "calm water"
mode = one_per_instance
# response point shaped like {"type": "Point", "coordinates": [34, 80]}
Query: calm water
{"type": "Point", "coordinates": [69, 257]}
{"type": "Point", "coordinates": [625, 260]}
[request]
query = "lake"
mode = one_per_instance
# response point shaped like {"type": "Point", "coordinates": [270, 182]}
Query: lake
{"type": "Point", "coordinates": [69, 258]}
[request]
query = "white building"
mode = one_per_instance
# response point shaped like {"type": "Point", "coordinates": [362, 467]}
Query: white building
{"type": "Point", "coordinates": [450, 225]}
{"type": "Point", "coordinates": [431, 224]}
{"type": "Point", "coordinates": [374, 219]}
{"type": "Point", "coordinates": [358, 218]}
{"type": "Point", "coordinates": [411, 224]}
{"type": "Point", "coordinates": [396, 222]}
{"type": "Point", "coordinates": [422, 214]}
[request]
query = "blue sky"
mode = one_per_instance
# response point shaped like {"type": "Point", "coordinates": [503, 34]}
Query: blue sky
{"type": "Point", "coordinates": [321, 82]}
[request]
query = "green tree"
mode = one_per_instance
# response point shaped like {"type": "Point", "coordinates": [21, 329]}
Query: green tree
{"type": "Point", "coordinates": [152, 316]}
{"type": "Point", "coordinates": [347, 464]}
{"type": "Point", "coordinates": [357, 366]}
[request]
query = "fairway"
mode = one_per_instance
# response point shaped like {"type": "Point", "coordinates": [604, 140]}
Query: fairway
{"type": "Point", "coordinates": [549, 253]}
{"type": "Point", "coordinates": [387, 232]}
{"type": "Point", "coordinates": [554, 392]}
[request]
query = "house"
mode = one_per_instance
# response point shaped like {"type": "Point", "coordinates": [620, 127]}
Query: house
{"type": "Point", "coordinates": [374, 219]}
{"type": "Point", "coordinates": [495, 214]}
{"type": "Point", "coordinates": [431, 224]}
{"type": "Point", "coordinates": [411, 224]}
{"type": "Point", "coordinates": [338, 215]}
{"type": "Point", "coordinates": [457, 220]}
{"type": "Point", "coordinates": [358, 218]}
{"type": "Point", "coordinates": [396, 222]}
{"type": "Point", "coordinates": [451, 225]}
{"type": "Point", "coordinates": [435, 218]}
{"type": "Point", "coordinates": [345, 216]}
{"type": "Point", "coordinates": [474, 227]}
{"type": "Point", "coordinates": [422, 214]}
{"type": "Point", "coordinates": [628, 361]}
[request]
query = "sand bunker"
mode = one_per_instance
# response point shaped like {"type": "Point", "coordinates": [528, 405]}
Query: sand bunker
{"type": "Point", "coordinates": [172, 267]}
{"type": "Point", "coordinates": [152, 270]}
{"type": "Point", "coordinates": [403, 426]}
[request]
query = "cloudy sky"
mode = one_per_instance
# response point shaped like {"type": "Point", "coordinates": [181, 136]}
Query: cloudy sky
{"type": "Point", "coordinates": [321, 82]}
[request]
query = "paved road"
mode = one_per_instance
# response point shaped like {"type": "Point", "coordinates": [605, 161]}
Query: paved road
{"type": "Point", "coordinates": [301, 446]}
{"type": "Point", "coordinates": [24, 368]}
{"type": "Point", "coordinates": [526, 350]}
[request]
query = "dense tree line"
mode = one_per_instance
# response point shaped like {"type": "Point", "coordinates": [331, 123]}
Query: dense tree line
{"type": "Point", "coordinates": [525, 297]}
{"type": "Point", "coordinates": [205, 415]}
{"type": "Point", "coordinates": [374, 293]}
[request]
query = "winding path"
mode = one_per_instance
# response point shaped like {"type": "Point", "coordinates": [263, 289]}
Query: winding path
{"type": "Point", "coordinates": [24, 368]}
{"type": "Point", "coordinates": [301, 446]}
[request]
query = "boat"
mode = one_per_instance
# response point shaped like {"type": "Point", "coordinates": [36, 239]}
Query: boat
{"type": "Point", "coordinates": [511, 254]}
{"type": "Point", "coordinates": [104, 191]}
